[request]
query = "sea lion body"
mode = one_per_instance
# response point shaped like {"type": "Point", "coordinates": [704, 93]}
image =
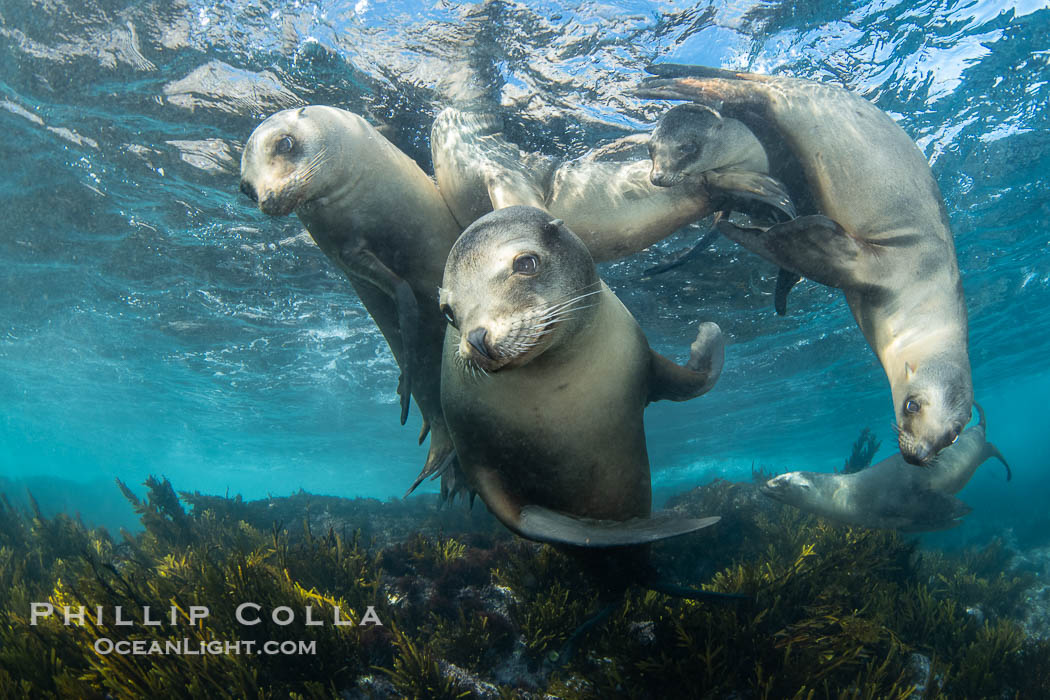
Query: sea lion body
{"type": "Point", "coordinates": [892, 493]}
{"type": "Point", "coordinates": [544, 382]}
{"type": "Point", "coordinates": [378, 217]}
{"type": "Point", "coordinates": [880, 234]}
{"type": "Point", "coordinates": [606, 197]}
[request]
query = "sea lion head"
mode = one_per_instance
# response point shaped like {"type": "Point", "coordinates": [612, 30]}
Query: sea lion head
{"type": "Point", "coordinates": [932, 405]}
{"type": "Point", "coordinates": [684, 143]}
{"type": "Point", "coordinates": [800, 489]}
{"type": "Point", "coordinates": [516, 282]}
{"type": "Point", "coordinates": [282, 167]}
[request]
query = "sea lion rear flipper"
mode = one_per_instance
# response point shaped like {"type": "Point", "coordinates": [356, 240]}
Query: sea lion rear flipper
{"type": "Point", "coordinates": [990, 451]}
{"type": "Point", "coordinates": [364, 265]}
{"type": "Point", "coordinates": [786, 279]}
{"type": "Point", "coordinates": [714, 92]}
{"type": "Point", "coordinates": [748, 190]}
{"type": "Point", "coordinates": [544, 525]}
{"type": "Point", "coordinates": [814, 246]}
{"type": "Point", "coordinates": [680, 257]}
{"type": "Point", "coordinates": [673, 382]}
{"type": "Point", "coordinates": [685, 70]}
{"type": "Point", "coordinates": [438, 461]}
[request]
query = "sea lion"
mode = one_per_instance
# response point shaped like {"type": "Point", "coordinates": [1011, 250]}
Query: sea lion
{"type": "Point", "coordinates": [544, 379]}
{"type": "Point", "coordinates": [880, 233]}
{"type": "Point", "coordinates": [605, 197]}
{"type": "Point", "coordinates": [694, 144]}
{"type": "Point", "coordinates": [892, 494]}
{"type": "Point", "coordinates": [379, 219]}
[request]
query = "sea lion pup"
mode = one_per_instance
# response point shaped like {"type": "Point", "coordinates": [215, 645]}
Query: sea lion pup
{"type": "Point", "coordinates": [881, 234]}
{"type": "Point", "coordinates": [605, 197]}
{"type": "Point", "coordinates": [695, 144]}
{"type": "Point", "coordinates": [544, 379]}
{"type": "Point", "coordinates": [892, 494]}
{"type": "Point", "coordinates": [379, 219]}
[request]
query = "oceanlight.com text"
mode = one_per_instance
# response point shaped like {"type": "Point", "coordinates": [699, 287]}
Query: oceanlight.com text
{"type": "Point", "coordinates": [196, 647]}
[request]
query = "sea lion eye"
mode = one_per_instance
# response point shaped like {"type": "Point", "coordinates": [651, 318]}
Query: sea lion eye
{"type": "Point", "coordinates": [526, 264]}
{"type": "Point", "coordinates": [687, 149]}
{"type": "Point", "coordinates": [284, 145]}
{"type": "Point", "coordinates": [911, 406]}
{"type": "Point", "coordinates": [449, 316]}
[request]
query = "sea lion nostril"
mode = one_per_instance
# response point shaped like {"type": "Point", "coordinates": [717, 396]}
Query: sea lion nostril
{"type": "Point", "coordinates": [249, 191]}
{"type": "Point", "coordinates": [476, 338]}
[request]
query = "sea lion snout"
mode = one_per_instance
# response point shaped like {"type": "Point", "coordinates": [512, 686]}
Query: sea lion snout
{"type": "Point", "coordinates": [921, 452]}
{"type": "Point", "coordinates": [249, 191]}
{"type": "Point", "coordinates": [918, 455]}
{"type": "Point", "coordinates": [660, 178]}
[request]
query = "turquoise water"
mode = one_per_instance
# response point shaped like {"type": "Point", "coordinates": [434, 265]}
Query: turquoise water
{"type": "Point", "coordinates": [153, 322]}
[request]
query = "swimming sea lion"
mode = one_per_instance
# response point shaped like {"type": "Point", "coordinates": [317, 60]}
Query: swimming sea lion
{"type": "Point", "coordinates": [695, 144]}
{"type": "Point", "coordinates": [379, 219]}
{"type": "Point", "coordinates": [606, 197]}
{"type": "Point", "coordinates": [544, 380]}
{"type": "Point", "coordinates": [892, 494]}
{"type": "Point", "coordinates": [881, 234]}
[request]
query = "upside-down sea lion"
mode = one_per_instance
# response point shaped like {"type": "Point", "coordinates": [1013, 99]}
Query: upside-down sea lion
{"type": "Point", "coordinates": [880, 234]}
{"type": "Point", "coordinates": [605, 197]}
{"type": "Point", "coordinates": [892, 494]}
{"type": "Point", "coordinates": [379, 219]}
{"type": "Point", "coordinates": [694, 144]}
{"type": "Point", "coordinates": [544, 380]}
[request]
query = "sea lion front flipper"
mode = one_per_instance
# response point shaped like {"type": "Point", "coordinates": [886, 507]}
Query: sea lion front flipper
{"type": "Point", "coordinates": [747, 190]}
{"type": "Point", "coordinates": [545, 525]}
{"type": "Point", "coordinates": [673, 382]}
{"type": "Point", "coordinates": [814, 246]}
{"type": "Point", "coordinates": [680, 257]}
{"type": "Point", "coordinates": [786, 279]}
{"type": "Point", "coordinates": [364, 264]}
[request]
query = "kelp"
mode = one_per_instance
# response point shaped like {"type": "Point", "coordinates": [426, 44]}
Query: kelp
{"type": "Point", "coordinates": [864, 449]}
{"type": "Point", "coordinates": [827, 611]}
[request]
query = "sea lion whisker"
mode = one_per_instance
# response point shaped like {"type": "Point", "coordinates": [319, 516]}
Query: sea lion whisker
{"type": "Point", "coordinates": [547, 321]}
{"type": "Point", "coordinates": [315, 163]}
{"type": "Point", "coordinates": [567, 302]}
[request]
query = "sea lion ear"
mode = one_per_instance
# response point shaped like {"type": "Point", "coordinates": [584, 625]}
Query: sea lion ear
{"type": "Point", "coordinates": [552, 227]}
{"type": "Point", "coordinates": [706, 112]}
{"type": "Point", "coordinates": [909, 371]}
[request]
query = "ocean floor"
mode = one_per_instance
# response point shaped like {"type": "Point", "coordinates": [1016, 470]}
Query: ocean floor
{"type": "Point", "coordinates": [468, 610]}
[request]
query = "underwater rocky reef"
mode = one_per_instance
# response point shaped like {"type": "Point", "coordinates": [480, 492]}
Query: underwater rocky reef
{"type": "Point", "coordinates": [467, 610]}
